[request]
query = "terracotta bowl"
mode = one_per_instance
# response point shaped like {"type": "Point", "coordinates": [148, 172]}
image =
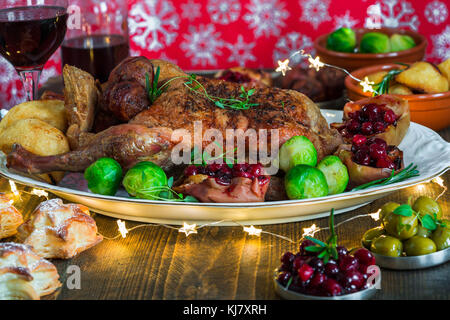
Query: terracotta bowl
{"type": "Point", "coordinates": [353, 61]}
{"type": "Point", "coordinates": [431, 110]}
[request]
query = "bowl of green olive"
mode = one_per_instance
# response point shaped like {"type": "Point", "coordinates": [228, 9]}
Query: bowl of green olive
{"type": "Point", "coordinates": [411, 236]}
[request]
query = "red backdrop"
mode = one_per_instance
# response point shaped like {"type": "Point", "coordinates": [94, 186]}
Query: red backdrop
{"type": "Point", "coordinates": [211, 34]}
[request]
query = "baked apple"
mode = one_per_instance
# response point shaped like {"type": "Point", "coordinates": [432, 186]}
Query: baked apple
{"type": "Point", "coordinates": [369, 159]}
{"type": "Point", "coordinates": [220, 183]}
{"type": "Point", "coordinates": [386, 117]}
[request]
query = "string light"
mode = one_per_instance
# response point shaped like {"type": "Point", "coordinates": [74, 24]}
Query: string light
{"type": "Point", "coordinates": [283, 67]}
{"type": "Point", "coordinates": [376, 215]}
{"type": "Point", "coordinates": [252, 231]}
{"type": "Point", "coordinates": [39, 193]}
{"type": "Point", "coordinates": [122, 228]}
{"type": "Point", "coordinates": [311, 231]}
{"type": "Point", "coordinates": [188, 229]}
{"type": "Point", "coordinates": [440, 182]}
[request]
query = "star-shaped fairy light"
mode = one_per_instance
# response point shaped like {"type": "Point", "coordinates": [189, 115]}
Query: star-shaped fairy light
{"type": "Point", "coordinates": [315, 63]}
{"type": "Point", "coordinates": [122, 228]}
{"type": "Point", "coordinates": [283, 66]}
{"type": "Point", "coordinates": [376, 215]}
{"type": "Point", "coordinates": [252, 231]}
{"type": "Point", "coordinates": [367, 85]}
{"type": "Point", "coordinates": [188, 229]}
{"type": "Point", "coordinates": [311, 231]}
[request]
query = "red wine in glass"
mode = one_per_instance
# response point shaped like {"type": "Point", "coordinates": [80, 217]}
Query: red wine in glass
{"type": "Point", "coordinates": [29, 35]}
{"type": "Point", "coordinates": [96, 54]}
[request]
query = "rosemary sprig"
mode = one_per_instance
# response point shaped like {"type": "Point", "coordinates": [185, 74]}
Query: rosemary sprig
{"type": "Point", "coordinates": [241, 103]}
{"type": "Point", "coordinates": [383, 86]}
{"type": "Point", "coordinates": [327, 250]}
{"type": "Point", "coordinates": [409, 172]}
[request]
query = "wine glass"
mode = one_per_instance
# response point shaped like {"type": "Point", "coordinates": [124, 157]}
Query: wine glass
{"type": "Point", "coordinates": [30, 32]}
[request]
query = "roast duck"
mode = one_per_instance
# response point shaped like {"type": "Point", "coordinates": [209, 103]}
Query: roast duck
{"type": "Point", "coordinates": [117, 120]}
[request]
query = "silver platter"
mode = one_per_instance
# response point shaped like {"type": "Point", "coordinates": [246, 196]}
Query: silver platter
{"type": "Point", "coordinates": [413, 263]}
{"type": "Point", "coordinates": [360, 295]}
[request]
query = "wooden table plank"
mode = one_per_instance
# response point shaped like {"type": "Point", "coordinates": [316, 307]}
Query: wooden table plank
{"type": "Point", "coordinates": [223, 262]}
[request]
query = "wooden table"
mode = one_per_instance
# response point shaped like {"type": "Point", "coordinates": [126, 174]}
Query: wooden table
{"type": "Point", "coordinates": [224, 262]}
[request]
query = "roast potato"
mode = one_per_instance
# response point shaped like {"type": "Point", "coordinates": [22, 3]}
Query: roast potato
{"type": "Point", "coordinates": [377, 77]}
{"type": "Point", "coordinates": [37, 137]}
{"type": "Point", "coordinates": [399, 89]}
{"type": "Point", "coordinates": [444, 67]}
{"type": "Point", "coordinates": [423, 76]}
{"type": "Point", "coordinates": [49, 111]}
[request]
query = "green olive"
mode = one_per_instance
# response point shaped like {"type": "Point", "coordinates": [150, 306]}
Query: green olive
{"type": "Point", "coordinates": [387, 246]}
{"type": "Point", "coordinates": [418, 246]}
{"type": "Point", "coordinates": [425, 205]}
{"type": "Point", "coordinates": [423, 232]}
{"type": "Point", "coordinates": [388, 208]}
{"type": "Point", "coordinates": [372, 234]}
{"type": "Point", "coordinates": [441, 236]}
{"type": "Point", "coordinates": [401, 227]}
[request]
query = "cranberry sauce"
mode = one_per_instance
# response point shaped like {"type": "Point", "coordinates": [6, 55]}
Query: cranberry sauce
{"type": "Point", "coordinates": [233, 76]}
{"type": "Point", "coordinates": [374, 152]}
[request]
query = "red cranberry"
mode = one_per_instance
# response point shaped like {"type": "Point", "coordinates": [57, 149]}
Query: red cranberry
{"type": "Point", "coordinates": [364, 256]}
{"type": "Point", "coordinates": [385, 163]}
{"type": "Point", "coordinates": [214, 167]}
{"type": "Point", "coordinates": [256, 170]}
{"type": "Point", "coordinates": [359, 140]}
{"type": "Point", "coordinates": [341, 250]}
{"type": "Point", "coordinates": [372, 111]}
{"type": "Point", "coordinates": [298, 262]}
{"type": "Point", "coordinates": [362, 158]}
{"type": "Point", "coordinates": [240, 167]}
{"type": "Point", "coordinates": [378, 127]}
{"type": "Point", "coordinates": [287, 258]}
{"type": "Point", "coordinates": [305, 272]}
{"type": "Point", "coordinates": [191, 171]}
{"type": "Point", "coordinates": [316, 263]}
{"type": "Point", "coordinates": [389, 117]}
{"type": "Point", "coordinates": [332, 288]}
{"type": "Point", "coordinates": [243, 174]}
{"type": "Point", "coordinates": [348, 263]}
{"type": "Point", "coordinates": [304, 244]}
{"type": "Point", "coordinates": [318, 279]}
{"type": "Point", "coordinates": [379, 142]}
{"type": "Point", "coordinates": [353, 126]}
{"type": "Point", "coordinates": [377, 151]}
{"type": "Point", "coordinates": [284, 277]}
{"type": "Point", "coordinates": [331, 269]}
{"type": "Point", "coordinates": [352, 281]}
{"type": "Point", "coordinates": [367, 128]}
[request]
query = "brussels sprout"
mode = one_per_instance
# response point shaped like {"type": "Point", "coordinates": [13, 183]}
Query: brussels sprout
{"type": "Point", "coordinates": [297, 150]}
{"type": "Point", "coordinates": [375, 42]}
{"type": "Point", "coordinates": [303, 182]}
{"type": "Point", "coordinates": [342, 40]}
{"type": "Point", "coordinates": [401, 42]}
{"type": "Point", "coordinates": [104, 176]}
{"type": "Point", "coordinates": [143, 180]}
{"type": "Point", "coordinates": [336, 174]}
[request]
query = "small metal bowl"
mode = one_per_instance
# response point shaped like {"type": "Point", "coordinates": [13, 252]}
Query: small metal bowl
{"type": "Point", "coordinates": [292, 295]}
{"type": "Point", "coordinates": [413, 263]}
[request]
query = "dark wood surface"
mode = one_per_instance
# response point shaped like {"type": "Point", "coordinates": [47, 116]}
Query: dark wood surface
{"type": "Point", "coordinates": [224, 262]}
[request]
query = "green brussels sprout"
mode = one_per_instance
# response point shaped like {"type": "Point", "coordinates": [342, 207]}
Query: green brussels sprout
{"type": "Point", "coordinates": [401, 42]}
{"type": "Point", "coordinates": [375, 42]}
{"type": "Point", "coordinates": [336, 174]}
{"type": "Point", "coordinates": [104, 176]}
{"type": "Point", "coordinates": [144, 179]}
{"type": "Point", "coordinates": [297, 150]}
{"type": "Point", "coordinates": [342, 40]}
{"type": "Point", "coordinates": [303, 182]}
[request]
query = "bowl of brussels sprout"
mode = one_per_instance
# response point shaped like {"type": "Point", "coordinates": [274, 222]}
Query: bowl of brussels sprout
{"type": "Point", "coordinates": [355, 48]}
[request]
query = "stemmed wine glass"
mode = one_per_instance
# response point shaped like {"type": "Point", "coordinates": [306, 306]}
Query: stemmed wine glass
{"type": "Point", "coordinates": [30, 32]}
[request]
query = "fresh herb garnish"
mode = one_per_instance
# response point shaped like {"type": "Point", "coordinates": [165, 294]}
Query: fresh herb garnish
{"type": "Point", "coordinates": [153, 91]}
{"type": "Point", "coordinates": [240, 103]}
{"type": "Point", "coordinates": [327, 250]}
{"type": "Point", "coordinates": [383, 86]}
{"type": "Point", "coordinates": [206, 157]}
{"type": "Point", "coordinates": [428, 222]}
{"type": "Point", "coordinates": [409, 172]}
{"type": "Point", "coordinates": [165, 193]}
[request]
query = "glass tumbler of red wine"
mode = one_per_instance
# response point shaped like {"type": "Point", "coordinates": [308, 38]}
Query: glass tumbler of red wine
{"type": "Point", "coordinates": [101, 42]}
{"type": "Point", "coordinates": [30, 32]}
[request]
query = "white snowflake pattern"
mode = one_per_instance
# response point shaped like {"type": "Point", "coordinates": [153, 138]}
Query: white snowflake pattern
{"type": "Point", "coordinates": [436, 12]}
{"type": "Point", "coordinates": [190, 10]}
{"type": "Point", "coordinates": [266, 17]}
{"type": "Point", "coordinates": [224, 11]}
{"type": "Point", "coordinates": [315, 12]}
{"type": "Point", "coordinates": [202, 44]}
{"type": "Point", "coordinates": [241, 51]}
{"type": "Point", "coordinates": [441, 43]}
{"type": "Point", "coordinates": [287, 45]}
{"type": "Point", "coordinates": [153, 20]}
{"type": "Point", "coordinates": [392, 14]}
{"type": "Point", "coordinates": [11, 90]}
{"type": "Point", "coordinates": [345, 20]}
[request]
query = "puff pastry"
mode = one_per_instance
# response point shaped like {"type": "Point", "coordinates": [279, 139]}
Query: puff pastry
{"type": "Point", "coordinates": [24, 274]}
{"type": "Point", "coordinates": [58, 230]}
{"type": "Point", "coordinates": [10, 218]}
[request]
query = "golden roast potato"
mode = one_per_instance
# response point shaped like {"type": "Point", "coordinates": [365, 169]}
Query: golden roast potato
{"type": "Point", "coordinates": [423, 76]}
{"type": "Point", "coordinates": [399, 89]}
{"type": "Point", "coordinates": [444, 67]}
{"type": "Point", "coordinates": [49, 111]}
{"type": "Point", "coordinates": [37, 137]}
{"type": "Point", "coordinates": [377, 77]}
